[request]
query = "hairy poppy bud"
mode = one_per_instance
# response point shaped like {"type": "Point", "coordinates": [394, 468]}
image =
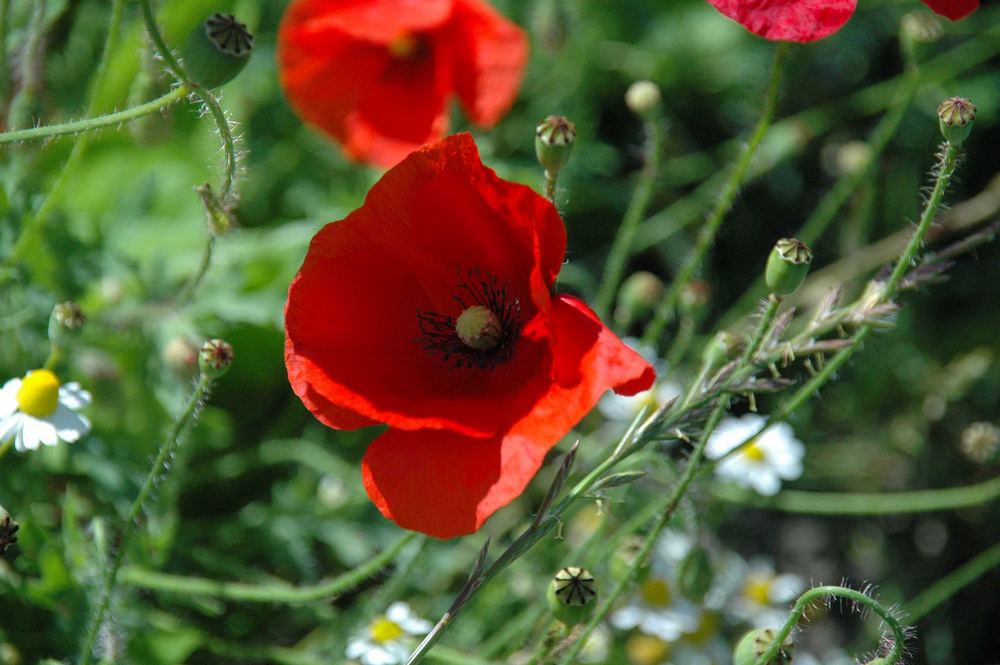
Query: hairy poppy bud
{"type": "Point", "coordinates": [643, 98]}
{"type": "Point", "coordinates": [553, 142]}
{"type": "Point", "coordinates": [218, 48]}
{"type": "Point", "coordinates": [753, 645]}
{"type": "Point", "coordinates": [695, 574]}
{"type": "Point", "coordinates": [638, 296]}
{"type": "Point", "coordinates": [787, 266]}
{"type": "Point", "coordinates": [66, 321]}
{"type": "Point", "coordinates": [571, 595]}
{"type": "Point", "coordinates": [956, 115]}
{"type": "Point", "coordinates": [215, 358]}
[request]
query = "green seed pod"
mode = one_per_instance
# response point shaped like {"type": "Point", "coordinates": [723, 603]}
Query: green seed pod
{"type": "Point", "coordinates": [553, 142]}
{"type": "Point", "coordinates": [571, 595]}
{"type": "Point", "coordinates": [637, 297]}
{"type": "Point", "coordinates": [787, 266]}
{"type": "Point", "coordinates": [753, 645]}
{"type": "Point", "coordinates": [955, 117]}
{"type": "Point", "coordinates": [720, 349]}
{"type": "Point", "coordinates": [215, 357]}
{"type": "Point", "coordinates": [695, 574]}
{"type": "Point", "coordinates": [217, 50]}
{"type": "Point", "coordinates": [65, 322]}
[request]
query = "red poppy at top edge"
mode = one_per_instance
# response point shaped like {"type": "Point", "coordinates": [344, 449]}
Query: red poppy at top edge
{"type": "Point", "coordinates": [811, 20]}
{"type": "Point", "coordinates": [430, 309]}
{"type": "Point", "coordinates": [378, 75]}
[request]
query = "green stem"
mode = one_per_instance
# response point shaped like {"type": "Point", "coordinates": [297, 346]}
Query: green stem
{"type": "Point", "coordinates": [206, 260]}
{"type": "Point", "coordinates": [228, 142]}
{"type": "Point", "coordinates": [952, 583]}
{"type": "Point", "coordinates": [840, 592]}
{"type": "Point", "coordinates": [682, 341]}
{"type": "Point", "coordinates": [171, 62]}
{"type": "Point", "coordinates": [156, 471]}
{"type": "Point", "coordinates": [665, 311]}
{"type": "Point", "coordinates": [90, 124]}
{"type": "Point", "coordinates": [264, 593]}
{"type": "Point", "coordinates": [842, 503]}
{"type": "Point", "coordinates": [6, 446]}
{"type": "Point", "coordinates": [621, 250]}
{"type": "Point", "coordinates": [945, 170]}
{"type": "Point", "coordinates": [766, 319]}
{"type": "Point", "coordinates": [4, 72]}
{"type": "Point", "coordinates": [676, 495]}
{"type": "Point", "coordinates": [550, 186]}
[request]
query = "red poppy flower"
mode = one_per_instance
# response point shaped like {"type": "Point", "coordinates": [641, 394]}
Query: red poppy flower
{"type": "Point", "coordinates": [377, 75]}
{"type": "Point", "coordinates": [429, 309]}
{"type": "Point", "coordinates": [811, 20]}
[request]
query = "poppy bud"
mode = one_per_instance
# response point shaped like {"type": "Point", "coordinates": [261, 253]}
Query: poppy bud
{"type": "Point", "coordinates": [215, 358]}
{"type": "Point", "coordinates": [787, 266]}
{"type": "Point", "coordinates": [753, 645]}
{"type": "Point", "coordinates": [217, 50]}
{"type": "Point", "coordinates": [644, 98]}
{"type": "Point", "coordinates": [638, 296]}
{"type": "Point", "coordinates": [917, 30]}
{"type": "Point", "coordinates": [553, 142]}
{"type": "Point", "coordinates": [66, 321]}
{"type": "Point", "coordinates": [720, 349]}
{"type": "Point", "coordinates": [695, 574]}
{"type": "Point", "coordinates": [8, 528]}
{"type": "Point", "coordinates": [955, 116]}
{"type": "Point", "coordinates": [694, 298]}
{"type": "Point", "coordinates": [571, 595]}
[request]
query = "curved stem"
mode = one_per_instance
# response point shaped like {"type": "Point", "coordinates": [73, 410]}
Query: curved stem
{"type": "Point", "coordinates": [206, 260]}
{"type": "Point", "coordinates": [840, 592]}
{"type": "Point", "coordinates": [228, 143]}
{"type": "Point", "coordinates": [953, 582]}
{"type": "Point", "coordinates": [156, 471]}
{"type": "Point", "coordinates": [264, 593]}
{"type": "Point", "coordinates": [621, 250]}
{"type": "Point", "coordinates": [843, 503]}
{"type": "Point", "coordinates": [171, 62]}
{"type": "Point", "coordinates": [99, 122]}
{"type": "Point", "coordinates": [665, 311]}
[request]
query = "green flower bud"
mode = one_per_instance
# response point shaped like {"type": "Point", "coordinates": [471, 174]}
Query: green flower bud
{"type": "Point", "coordinates": [571, 595]}
{"type": "Point", "coordinates": [955, 117]}
{"type": "Point", "coordinates": [753, 645]}
{"type": "Point", "coordinates": [787, 266]}
{"type": "Point", "coordinates": [644, 98]}
{"type": "Point", "coordinates": [66, 320]}
{"type": "Point", "coordinates": [694, 298]}
{"type": "Point", "coordinates": [553, 142]}
{"type": "Point", "coordinates": [215, 357]}
{"type": "Point", "coordinates": [217, 50]}
{"type": "Point", "coordinates": [695, 574]}
{"type": "Point", "coordinates": [638, 296]}
{"type": "Point", "coordinates": [917, 31]}
{"type": "Point", "coordinates": [720, 349]}
{"type": "Point", "coordinates": [8, 529]}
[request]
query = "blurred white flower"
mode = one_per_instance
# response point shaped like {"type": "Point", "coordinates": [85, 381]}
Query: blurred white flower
{"type": "Point", "coordinates": [597, 646]}
{"type": "Point", "coordinates": [37, 410]}
{"type": "Point", "coordinates": [387, 640]}
{"type": "Point", "coordinates": [764, 595]}
{"type": "Point", "coordinates": [771, 457]}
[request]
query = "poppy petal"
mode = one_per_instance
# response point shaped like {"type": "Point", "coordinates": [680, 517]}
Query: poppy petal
{"type": "Point", "coordinates": [953, 9]}
{"type": "Point", "coordinates": [379, 107]}
{"type": "Point", "coordinates": [446, 484]}
{"type": "Point", "coordinates": [490, 56]}
{"type": "Point", "coordinates": [788, 20]}
{"type": "Point", "coordinates": [353, 336]}
{"type": "Point", "coordinates": [377, 21]}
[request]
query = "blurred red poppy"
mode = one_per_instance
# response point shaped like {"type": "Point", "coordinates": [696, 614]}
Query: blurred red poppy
{"type": "Point", "coordinates": [430, 309]}
{"type": "Point", "coordinates": [377, 75]}
{"type": "Point", "coordinates": [811, 20]}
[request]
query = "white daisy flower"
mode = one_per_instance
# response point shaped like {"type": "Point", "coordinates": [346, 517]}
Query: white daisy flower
{"type": "Point", "coordinates": [764, 595]}
{"type": "Point", "coordinates": [657, 610]}
{"type": "Point", "coordinates": [388, 639]}
{"type": "Point", "coordinates": [624, 408]}
{"type": "Point", "coordinates": [38, 409]}
{"type": "Point", "coordinates": [771, 457]}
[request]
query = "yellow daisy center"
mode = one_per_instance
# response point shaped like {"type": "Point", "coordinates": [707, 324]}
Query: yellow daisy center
{"type": "Point", "coordinates": [754, 452]}
{"type": "Point", "coordinates": [758, 589]}
{"type": "Point", "coordinates": [38, 395]}
{"type": "Point", "coordinates": [708, 626]}
{"type": "Point", "coordinates": [646, 649]}
{"type": "Point", "coordinates": [655, 592]}
{"type": "Point", "coordinates": [384, 630]}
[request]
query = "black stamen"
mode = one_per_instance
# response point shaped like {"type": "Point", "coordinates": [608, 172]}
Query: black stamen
{"type": "Point", "coordinates": [438, 334]}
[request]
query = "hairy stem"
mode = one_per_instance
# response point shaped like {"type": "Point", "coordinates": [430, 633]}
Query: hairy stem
{"type": "Point", "coordinates": [665, 310]}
